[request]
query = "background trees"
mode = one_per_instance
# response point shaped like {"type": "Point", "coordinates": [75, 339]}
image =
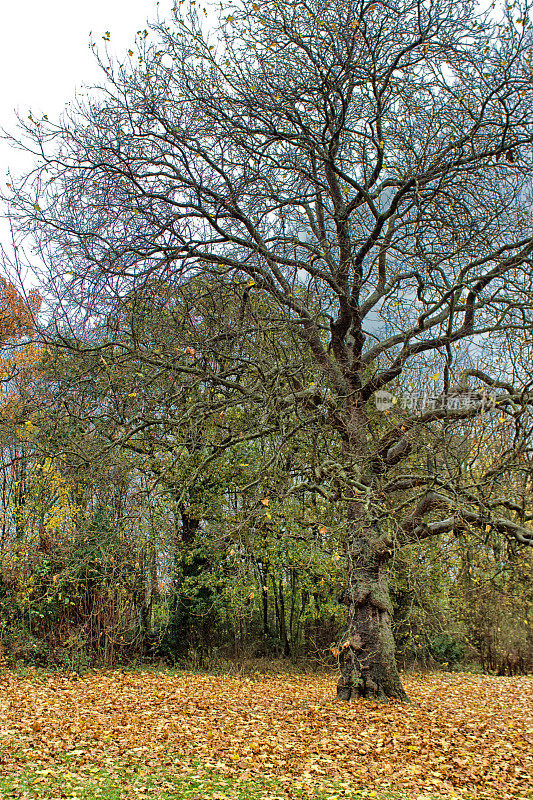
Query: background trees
{"type": "Point", "coordinates": [317, 204]}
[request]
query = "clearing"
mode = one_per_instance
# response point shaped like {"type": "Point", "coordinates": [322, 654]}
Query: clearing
{"type": "Point", "coordinates": [122, 735]}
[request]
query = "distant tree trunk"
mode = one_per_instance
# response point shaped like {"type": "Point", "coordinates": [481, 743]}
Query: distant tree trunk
{"type": "Point", "coordinates": [20, 493]}
{"type": "Point", "coordinates": [154, 583]}
{"type": "Point", "coordinates": [182, 625]}
{"type": "Point", "coordinates": [5, 503]}
{"type": "Point", "coordinates": [189, 527]}
{"type": "Point", "coordinates": [149, 593]}
{"type": "Point", "coordinates": [263, 570]}
{"type": "Point", "coordinates": [279, 605]}
{"type": "Point", "coordinates": [297, 631]}
{"type": "Point", "coordinates": [293, 584]}
{"type": "Point", "coordinates": [264, 596]}
{"type": "Point", "coordinates": [283, 623]}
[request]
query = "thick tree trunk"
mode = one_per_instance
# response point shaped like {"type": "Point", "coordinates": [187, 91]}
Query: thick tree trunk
{"type": "Point", "coordinates": [367, 656]}
{"type": "Point", "coordinates": [368, 664]}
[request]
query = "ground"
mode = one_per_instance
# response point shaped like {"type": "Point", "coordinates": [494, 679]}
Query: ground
{"type": "Point", "coordinates": [120, 735]}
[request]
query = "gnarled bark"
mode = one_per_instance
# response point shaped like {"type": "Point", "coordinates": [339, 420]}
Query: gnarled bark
{"type": "Point", "coordinates": [368, 664]}
{"type": "Point", "coordinates": [367, 653]}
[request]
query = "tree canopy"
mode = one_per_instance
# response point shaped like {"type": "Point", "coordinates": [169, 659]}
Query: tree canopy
{"type": "Point", "coordinates": [287, 217]}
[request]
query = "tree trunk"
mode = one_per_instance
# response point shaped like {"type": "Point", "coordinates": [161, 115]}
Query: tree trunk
{"type": "Point", "coordinates": [368, 664]}
{"type": "Point", "coordinates": [264, 595]}
{"type": "Point", "coordinates": [283, 623]}
{"type": "Point", "coordinates": [20, 494]}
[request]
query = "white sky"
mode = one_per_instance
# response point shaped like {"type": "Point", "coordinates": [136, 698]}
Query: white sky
{"type": "Point", "coordinates": [45, 56]}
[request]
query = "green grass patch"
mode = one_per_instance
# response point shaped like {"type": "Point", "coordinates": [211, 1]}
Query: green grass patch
{"type": "Point", "coordinates": [129, 782]}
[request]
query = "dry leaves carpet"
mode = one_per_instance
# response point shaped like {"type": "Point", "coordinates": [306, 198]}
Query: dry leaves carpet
{"type": "Point", "coordinates": [462, 735]}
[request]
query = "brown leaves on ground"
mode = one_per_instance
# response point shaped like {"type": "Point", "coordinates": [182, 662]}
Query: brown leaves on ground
{"type": "Point", "coordinates": [461, 735]}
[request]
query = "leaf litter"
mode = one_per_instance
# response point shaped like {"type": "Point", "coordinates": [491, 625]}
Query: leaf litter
{"type": "Point", "coordinates": [462, 735]}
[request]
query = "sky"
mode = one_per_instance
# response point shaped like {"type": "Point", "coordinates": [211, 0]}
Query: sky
{"type": "Point", "coordinates": [45, 55]}
{"type": "Point", "coordinates": [45, 58]}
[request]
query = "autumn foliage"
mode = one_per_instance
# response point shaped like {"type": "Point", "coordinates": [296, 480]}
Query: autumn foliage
{"type": "Point", "coordinates": [17, 314]}
{"type": "Point", "coordinates": [18, 353]}
{"type": "Point", "coordinates": [466, 736]}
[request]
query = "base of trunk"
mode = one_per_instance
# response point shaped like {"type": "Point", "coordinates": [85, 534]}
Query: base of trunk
{"type": "Point", "coordinates": [363, 685]}
{"type": "Point", "coordinates": [368, 683]}
{"type": "Point", "coordinates": [368, 666]}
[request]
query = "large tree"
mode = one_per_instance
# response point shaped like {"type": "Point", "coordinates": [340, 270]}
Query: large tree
{"type": "Point", "coordinates": [363, 167]}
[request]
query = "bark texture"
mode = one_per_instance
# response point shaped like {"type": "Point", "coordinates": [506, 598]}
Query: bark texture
{"type": "Point", "coordinates": [367, 653]}
{"type": "Point", "coordinates": [368, 664]}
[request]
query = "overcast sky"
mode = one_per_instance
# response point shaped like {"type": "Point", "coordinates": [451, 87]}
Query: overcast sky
{"type": "Point", "coordinates": [45, 56]}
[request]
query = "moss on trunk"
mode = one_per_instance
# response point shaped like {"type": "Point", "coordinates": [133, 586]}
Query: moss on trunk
{"type": "Point", "coordinates": [368, 664]}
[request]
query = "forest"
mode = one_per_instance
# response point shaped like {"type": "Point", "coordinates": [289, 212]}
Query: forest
{"type": "Point", "coordinates": [268, 393]}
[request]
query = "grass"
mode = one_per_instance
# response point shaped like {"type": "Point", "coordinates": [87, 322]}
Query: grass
{"type": "Point", "coordinates": [71, 777]}
{"type": "Point", "coordinates": [127, 783]}
{"type": "Point", "coordinates": [118, 784]}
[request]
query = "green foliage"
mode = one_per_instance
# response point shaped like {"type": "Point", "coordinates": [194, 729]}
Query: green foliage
{"type": "Point", "coordinates": [446, 650]}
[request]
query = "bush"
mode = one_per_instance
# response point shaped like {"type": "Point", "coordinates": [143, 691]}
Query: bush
{"type": "Point", "coordinates": [446, 649]}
